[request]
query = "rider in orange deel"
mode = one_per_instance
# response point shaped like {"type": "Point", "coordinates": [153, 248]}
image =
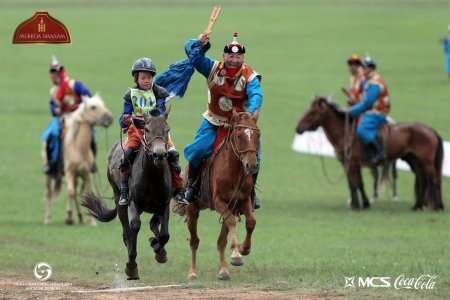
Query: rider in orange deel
{"type": "Point", "coordinates": [65, 97]}
{"type": "Point", "coordinates": [354, 93]}
{"type": "Point", "coordinates": [143, 98]}
{"type": "Point", "coordinates": [232, 84]}
{"type": "Point", "coordinates": [373, 111]}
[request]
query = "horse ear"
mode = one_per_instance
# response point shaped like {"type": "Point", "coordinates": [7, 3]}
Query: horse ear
{"type": "Point", "coordinates": [167, 112]}
{"type": "Point", "coordinates": [84, 98]}
{"type": "Point", "coordinates": [255, 116]}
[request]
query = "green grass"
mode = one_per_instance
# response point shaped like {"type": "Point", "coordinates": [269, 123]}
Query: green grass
{"type": "Point", "coordinates": [305, 238]}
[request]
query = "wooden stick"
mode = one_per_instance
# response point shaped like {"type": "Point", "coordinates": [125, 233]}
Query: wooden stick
{"type": "Point", "coordinates": [212, 19]}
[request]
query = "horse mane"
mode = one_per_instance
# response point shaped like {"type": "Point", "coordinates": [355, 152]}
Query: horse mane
{"type": "Point", "coordinates": [71, 121]}
{"type": "Point", "coordinates": [335, 107]}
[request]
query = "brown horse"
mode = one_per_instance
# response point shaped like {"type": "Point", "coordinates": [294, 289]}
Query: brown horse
{"type": "Point", "coordinates": [150, 191]}
{"type": "Point", "coordinates": [420, 146]}
{"type": "Point", "coordinates": [77, 154]}
{"type": "Point", "coordinates": [231, 186]}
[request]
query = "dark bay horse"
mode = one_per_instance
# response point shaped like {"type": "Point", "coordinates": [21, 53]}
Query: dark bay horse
{"type": "Point", "coordinates": [231, 185]}
{"type": "Point", "coordinates": [150, 191]}
{"type": "Point", "coordinates": [420, 146]}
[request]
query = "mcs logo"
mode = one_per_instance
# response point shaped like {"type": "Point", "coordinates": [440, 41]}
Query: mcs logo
{"type": "Point", "coordinates": [374, 282]}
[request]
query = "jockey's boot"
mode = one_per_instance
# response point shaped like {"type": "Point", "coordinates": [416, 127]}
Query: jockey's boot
{"type": "Point", "coordinates": [125, 168]}
{"type": "Point", "coordinates": [192, 189]}
{"type": "Point", "coordinates": [94, 150]}
{"type": "Point", "coordinates": [173, 159]}
{"type": "Point", "coordinates": [123, 200]}
{"type": "Point", "coordinates": [378, 151]}
{"type": "Point", "coordinates": [256, 201]}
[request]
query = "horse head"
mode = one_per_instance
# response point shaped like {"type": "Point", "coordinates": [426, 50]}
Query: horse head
{"type": "Point", "coordinates": [156, 134]}
{"type": "Point", "coordinates": [95, 112]}
{"type": "Point", "coordinates": [245, 140]}
{"type": "Point", "coordinates": [315, 116]}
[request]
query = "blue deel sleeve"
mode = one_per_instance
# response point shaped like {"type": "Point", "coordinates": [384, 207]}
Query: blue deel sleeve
{"type": "Point", "coordinates": [81, 90]}
{"type": "Point", "coordinates": [255, 95]}
{"type": "Point", "coordinates": [127, 110]}
{"type": "Point", "coordinates": [202, 63]}
{"type": "Point", "coordinates": [371, 97]}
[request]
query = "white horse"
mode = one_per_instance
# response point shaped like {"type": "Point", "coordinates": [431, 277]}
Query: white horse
{"type": "Point", "coordinates": [77, 154]}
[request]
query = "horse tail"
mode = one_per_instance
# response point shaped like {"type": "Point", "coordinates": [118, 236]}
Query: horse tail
{"type": "Point", "coordinates": [439, 158]}
{"type": "Point", "coordinates": [97, 208]}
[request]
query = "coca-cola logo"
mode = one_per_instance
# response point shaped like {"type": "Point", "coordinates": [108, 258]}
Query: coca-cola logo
{"type": "Point", "coordinates": [423, 282]}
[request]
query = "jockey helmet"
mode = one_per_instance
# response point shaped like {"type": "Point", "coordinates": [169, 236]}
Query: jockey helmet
{"type": "Point", "coordinates": [143, 64]}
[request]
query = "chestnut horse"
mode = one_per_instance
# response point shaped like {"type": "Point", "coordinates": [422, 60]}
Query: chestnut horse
{"type": "Point", "coordinates": [420, 146]}
{"type": "Point", "coordinates": [77, 154]}
{"type": "Point", "coordinates": [231, 185]}
{"type": "Point", "coordinates": [150, 188]}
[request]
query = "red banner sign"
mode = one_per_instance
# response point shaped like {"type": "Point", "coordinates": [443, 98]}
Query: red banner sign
{"type": "Point", "coordinates": [41, 28]}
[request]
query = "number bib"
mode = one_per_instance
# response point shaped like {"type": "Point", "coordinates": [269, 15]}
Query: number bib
{"type": "Point", "coordinates": [144, 100]}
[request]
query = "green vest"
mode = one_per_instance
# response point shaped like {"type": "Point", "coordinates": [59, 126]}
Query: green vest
{"type": "Point", "coordinates": [144, 100]}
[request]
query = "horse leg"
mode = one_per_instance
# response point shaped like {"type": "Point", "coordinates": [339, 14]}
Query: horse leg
{"type": "Point", "coordinates": [71, 188]}
{"type": "Point", "coordinates": [352, 175]}
{"type": "Point", "coordinates": [394, 182]}
{"type": "Point", "coordinates": [135, 225]}
{"type": "Point", "coordinates": [374, 171]}
{"type": "Point", "coordinates": [161, 236]}
{"type": "Point", "coordinates": [433, 187]}
{"type": "Point", "coordinates": [48, 198]}
{"type": "Point", "coordinates": [365, 199]}
{"type": "Point", "coordinates": [192, 214]}
{"type": "Point", "coordinates": [230, 221]}
{"type": "Point", "coordinates": [221, 245]}
{"type": "Point", "coordinates": [250, 224]}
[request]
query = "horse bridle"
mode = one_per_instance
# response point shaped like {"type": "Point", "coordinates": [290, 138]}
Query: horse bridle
{"type": "Point", "coordinates": [239, 152]}
{"type": "Point", "coordinates": [148, 144]}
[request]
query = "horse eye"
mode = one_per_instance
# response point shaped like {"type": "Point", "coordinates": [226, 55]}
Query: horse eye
{"type": "Point", "coordinates": [93, 107]}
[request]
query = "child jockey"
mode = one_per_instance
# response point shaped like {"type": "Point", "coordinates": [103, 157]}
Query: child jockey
{"type": "Point", "coordinates": [143, 72]}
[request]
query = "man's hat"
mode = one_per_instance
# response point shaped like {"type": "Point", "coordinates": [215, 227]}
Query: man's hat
{"type": "Point", "coordinates": [354, 60]}
{"type": "Point", "coordinates": [369, 62]}
{"type": "Point", "coordinates": [234, 46]}
{"type": "Point", "coordinates": [55, 66]}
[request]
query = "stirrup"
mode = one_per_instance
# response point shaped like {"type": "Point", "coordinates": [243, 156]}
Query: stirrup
{"type": "Point", "coordinates": [178, 195]}
{"type": "Point", "coordinates": [191, 193]}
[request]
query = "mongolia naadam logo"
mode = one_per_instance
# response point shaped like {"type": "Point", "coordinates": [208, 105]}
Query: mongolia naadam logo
{"type": "Point", "coordinates": [41, 28]}
{"type": "Point", "coordinates": [42, 271]}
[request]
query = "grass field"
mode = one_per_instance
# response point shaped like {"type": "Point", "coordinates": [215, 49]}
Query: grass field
{"type": "Point", "coordinates": [305, 238]}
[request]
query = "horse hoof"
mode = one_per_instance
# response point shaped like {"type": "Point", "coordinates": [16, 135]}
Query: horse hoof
{"type": "Point", "coordinates": [237, 262]}
{"type": "Point", "coordinates": [192, 276]}
{"type": "Point", "coordinates": [366, 207]}
{"type": "Point", "coordinates": [244, 251]}
{"type": "Point", "coordinates": [395, 199]}
{"type": "Point", "coordinates": [416, 208]}
{"type": "Point", "coordinates": [161, 256]}
{"type": "Point", "coordinates": [47, 222]}
{"type": "Point", "coordinates": [224, 276]}
{"type": "Point", "coordinates": [69, 222]}
{"type": "Point", "coordinates": [132, 274]}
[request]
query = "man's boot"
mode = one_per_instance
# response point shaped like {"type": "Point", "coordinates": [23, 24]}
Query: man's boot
{"type": "Point", "coordinates": [378, 152]}
{"type": "Point", "coordinates": [173, 159]}
{"type": "Point", "coordinates": [256, 202]}
{"type": "Point", "coordinates": [191, 189]}
{"type": "Point", "coordinates": [125, 168]}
